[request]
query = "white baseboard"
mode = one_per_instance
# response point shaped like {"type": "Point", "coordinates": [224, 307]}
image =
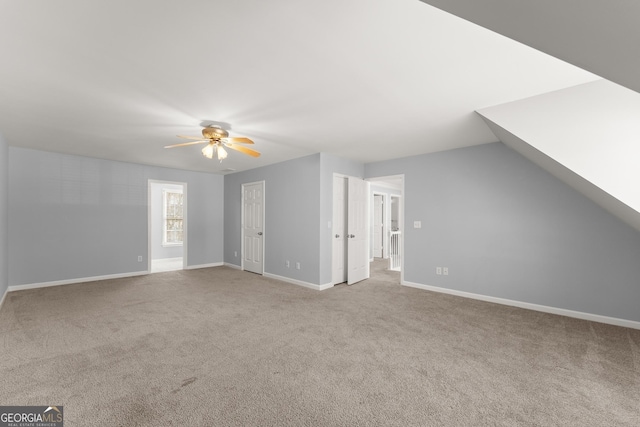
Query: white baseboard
{"type": "Point", "coordinates": [296, 282]}
{"type": "Point", "coordinates": [72, 281]}
{"type": "Point", "coordinates": [4, 296]}
{"type": "Point", "coordinates": [287, 279]}
{"type": "Point", "coordinates": [529, 306]}
{"type": "Point", "coordinates": [213, 264]}
{"type": "Point", "coordinates": [326, 286]}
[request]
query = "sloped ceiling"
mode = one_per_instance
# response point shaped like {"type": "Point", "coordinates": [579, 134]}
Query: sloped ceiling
{"type": "Point", "coordinates": [586, 135]}
{"type": "Point", "coordinates": [367, 80]}
{"type": "Point", "coordinates": [596, 35]}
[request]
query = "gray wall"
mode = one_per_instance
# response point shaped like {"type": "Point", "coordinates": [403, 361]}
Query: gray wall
{"type": "Point", "coordinates": [328, 166]}
{"type": "Point", "coordinates": [299, 203]}
{"type": "Point", "coordinates": [506, 228]}
{"type": "Point", "coordinates": [4, 224]}
{"type": "Point", "coordinates": [292, 205]}
{"type": "Point", "coordinates": [73, 217]}
{"type": "Point", "coordinates": [157, 205]}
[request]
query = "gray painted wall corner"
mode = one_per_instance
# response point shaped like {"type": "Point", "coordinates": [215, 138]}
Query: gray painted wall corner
{"type": "Point", "coordinates": [4, 216]}
{"type": "Point", "coordinates": [205, 216]}
{"type": "Point", "coordinates": [292, 208]}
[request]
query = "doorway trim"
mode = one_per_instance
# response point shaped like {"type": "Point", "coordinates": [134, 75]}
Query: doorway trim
{"type": "Point", "coordinates": [264, 226]}
{"type": "Point", "coordinates": [184, 220]}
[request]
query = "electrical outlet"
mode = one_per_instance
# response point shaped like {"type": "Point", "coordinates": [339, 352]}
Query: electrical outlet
{"type": "Point", "coordinates": [297, 266]}
{"type": "Point", "coordinates": [445, 271]}
{"type": "Point", "coordinates": [287, 264]}
{"type": "Point", "coordinates": [438, 271]}
{"type": "Point", "coordinates": [139, 258]}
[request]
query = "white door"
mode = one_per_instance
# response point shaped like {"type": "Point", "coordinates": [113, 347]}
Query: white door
{"type": "Point", "coordinates": [378, 225]}
{"type": "Point", "coordinates": [253, 227]}
{"type": "Point", "coordinates": [358, 230]}
{"type": "Point", "coordinates": [339, 230]}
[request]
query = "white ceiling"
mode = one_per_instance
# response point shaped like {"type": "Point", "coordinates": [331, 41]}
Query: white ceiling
{"type": "Point", "coordinates": [592, 129]}
{"type": "Point", "coordinates": [362, 79]}
{"type": "Point", "coordinates": [601, 36]}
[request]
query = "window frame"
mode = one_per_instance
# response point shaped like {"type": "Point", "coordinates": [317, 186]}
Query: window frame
{"type": "Point", "coordinates": [165, 218]}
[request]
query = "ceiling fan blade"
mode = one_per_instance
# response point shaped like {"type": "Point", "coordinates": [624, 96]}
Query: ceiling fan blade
{"type": "Point", "coordinates": [190, 137]}
{"type": "Point", "coordinates": [184, 144]}
{"type": "Point", "coordinates": [244, 150]}
{"type": "Point", "coordinates": [239, 140]}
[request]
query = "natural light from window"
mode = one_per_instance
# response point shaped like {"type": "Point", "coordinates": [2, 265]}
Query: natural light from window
{"type": "Point", "coordinates": [172, 218]}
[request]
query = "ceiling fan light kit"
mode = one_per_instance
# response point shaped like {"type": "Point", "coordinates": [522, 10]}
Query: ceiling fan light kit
{"type": "Point", "coordinates": [207, 151]}
{"type": "Point", "coordinates": [217, 139]}
{"type": "Point", "coordinates": [222, 153]}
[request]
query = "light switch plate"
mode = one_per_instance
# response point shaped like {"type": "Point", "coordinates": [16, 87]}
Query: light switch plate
{"type": "Point", "coordinates": [417, 224]}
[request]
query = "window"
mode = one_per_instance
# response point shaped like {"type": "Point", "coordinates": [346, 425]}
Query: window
{"type": "Point", "coordinates": [172, 218]}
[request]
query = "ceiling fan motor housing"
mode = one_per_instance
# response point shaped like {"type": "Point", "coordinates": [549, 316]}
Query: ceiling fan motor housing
{"type": "Point", "coordinates": [214, 133]}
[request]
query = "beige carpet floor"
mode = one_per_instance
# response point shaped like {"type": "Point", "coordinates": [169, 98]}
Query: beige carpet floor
{"type": "Point", "coordinates": [221, 347]}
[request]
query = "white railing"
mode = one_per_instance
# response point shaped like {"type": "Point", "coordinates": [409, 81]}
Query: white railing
{"type": "Point", "coordinates": [394, 250]}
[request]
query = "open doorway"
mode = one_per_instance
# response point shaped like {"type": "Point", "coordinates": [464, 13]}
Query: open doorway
{"type": "Point", "coordinates": [387, 223]}
{"type": "Point", "coordinates": [378, 217]}
{"type": "Point", "coordinates": [167, 226]}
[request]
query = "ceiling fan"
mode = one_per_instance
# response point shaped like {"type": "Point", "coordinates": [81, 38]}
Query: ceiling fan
{"type": "Point", "coordinates": [217, 139]}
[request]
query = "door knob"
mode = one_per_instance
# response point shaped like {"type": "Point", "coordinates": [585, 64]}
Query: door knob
{"type": "Point", "coordinates": [259, 233]}
{"type": "Point", "coordinates": [337, 236]}
{"type": "Point", "coordinates": [351, 236]}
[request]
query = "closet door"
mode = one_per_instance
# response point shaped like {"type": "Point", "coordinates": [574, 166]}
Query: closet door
{"type": "Point", "coordinates": [358, 230]}
{"type": "Point", "coordinates": [339, 249]}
